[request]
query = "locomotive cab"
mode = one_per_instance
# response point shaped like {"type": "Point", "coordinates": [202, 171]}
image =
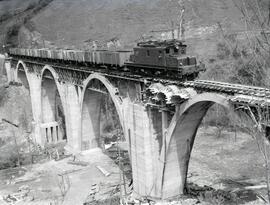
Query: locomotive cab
{"type": "Point", "coordinates": [167, 57]}
{"type": "Point", "coordinates": [155, 53]}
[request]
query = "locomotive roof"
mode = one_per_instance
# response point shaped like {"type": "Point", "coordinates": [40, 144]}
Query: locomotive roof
{"type": "Point", "coordinates": [164, 44]}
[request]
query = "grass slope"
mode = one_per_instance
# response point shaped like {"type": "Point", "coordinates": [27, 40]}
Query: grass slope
{"type": "Point", "coordinates": [73, 22]}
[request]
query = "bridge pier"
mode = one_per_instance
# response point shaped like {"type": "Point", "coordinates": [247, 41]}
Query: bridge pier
{"type": "Point", "coordinates": [2, 65]}
{"type": "Point", "coordinates": [35, 94]}
{"type": "Point", "coordinates": [143, 136]}
{"type": "Point", "coordinates": [49, 97]}
{"type": "Point", "coordinates": [91, 119]}
{"type": "Point", "coordinates": [71, 103]}
{"type": "Point", "coordinates": [10, 71]}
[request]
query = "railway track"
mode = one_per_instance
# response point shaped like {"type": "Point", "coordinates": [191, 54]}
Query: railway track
{"type": "Point", "coordinates": [228, 88]}
{"type": "Point", "coordinates": [238, 94]}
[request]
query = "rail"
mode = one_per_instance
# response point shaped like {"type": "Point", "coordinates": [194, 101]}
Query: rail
{"type": "Point", "coordinates": [228, 88]}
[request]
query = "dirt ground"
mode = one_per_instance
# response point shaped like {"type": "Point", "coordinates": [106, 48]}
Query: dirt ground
{"type": "Point", "coordinates": [215, 159]}
{"type": "Point", "coordinates": [229, 163]}
{"type": "Point", "coordinates": [57, 182]}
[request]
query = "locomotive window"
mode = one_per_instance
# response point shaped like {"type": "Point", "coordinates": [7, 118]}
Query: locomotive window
{"type": "Point", "coordinates": [159, 54]}
{"type": "Point", "coordinates": [167, 50]}
{"type": "Point", "coordinates": [148, 53]}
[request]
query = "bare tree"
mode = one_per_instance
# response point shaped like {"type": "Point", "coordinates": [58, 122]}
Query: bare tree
{"type": "Point", "coordinates": [256, 15]}
{"type": "Point", "coordinates": [175, 18]}
{"type": "Point", "coordinates": [181, 20]}
{"type": "Point", "coordinates": [260, 133]}
{"type": "Point", "coordinates": [257, 29]}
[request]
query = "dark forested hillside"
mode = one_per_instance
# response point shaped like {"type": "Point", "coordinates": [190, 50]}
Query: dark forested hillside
{"type": "Point", "coordinates": [16, 14]}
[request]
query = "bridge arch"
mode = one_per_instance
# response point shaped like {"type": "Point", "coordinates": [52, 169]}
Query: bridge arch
{"type": "Point", "coordinates": [21, 75]}
{"type": "Point", "coordinates": [180, 139]}
{"type": "Point", "coordinates": [90, 110]}
{"type": "Point", "coordinates": [53, 125]}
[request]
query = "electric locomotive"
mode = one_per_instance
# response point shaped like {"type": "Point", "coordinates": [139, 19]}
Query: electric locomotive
{"type": "Point", "coordinates": [164, 57]}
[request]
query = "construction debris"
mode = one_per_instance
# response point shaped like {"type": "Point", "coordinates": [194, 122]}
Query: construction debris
{"type": "Point", "coordinates": [206, 192]}
{"type": "Point", "coordinates": [105, 172]}
{"type": "Point", "coordinates": [91, 196]}
{"type": "Point", "coordinates": [55, 150]}
{"type": "Point", "coordinates": [69, 171]}
{"type": "Point", "coordinates": [18, 181]}
{"type": "Point", "coordinates": [263, 186]}
{"type": "Point", "coordinates": [21, 195]}
{"type": "Point", "coordinates": [80, 163]}
{"type": "Point", "coordinates": [75, 153]}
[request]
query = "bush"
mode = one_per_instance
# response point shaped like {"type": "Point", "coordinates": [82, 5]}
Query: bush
{"type": "Point", "coordinates": [108, 128]}
{"type": "Point", "coordinates": [5, 16]}
{"type": "Point", "coordinates": [9, 160]}
{"type": "Point", "coordinates": [31, 6]}
{"type": "Point", "coordinates": [223, 52]}
{"type": "Point", "coordinates": [12, 35]}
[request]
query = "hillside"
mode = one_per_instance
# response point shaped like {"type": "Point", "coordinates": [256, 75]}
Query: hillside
{"type": "Point", "coordinates": [72, 23]}
{"type": "Point", "coordinates": [14, 16]}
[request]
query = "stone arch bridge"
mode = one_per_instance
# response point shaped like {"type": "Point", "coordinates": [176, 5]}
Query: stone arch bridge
{"type": "Point", "coordinates": [159, 117]}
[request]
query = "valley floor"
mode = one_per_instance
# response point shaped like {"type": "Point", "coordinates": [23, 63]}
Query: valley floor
{"type": "Point", "coordinates": [230, 163]}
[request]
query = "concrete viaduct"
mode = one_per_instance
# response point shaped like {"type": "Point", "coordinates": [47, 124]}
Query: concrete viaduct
{"type": "Point", "coordinates": [159, 118]}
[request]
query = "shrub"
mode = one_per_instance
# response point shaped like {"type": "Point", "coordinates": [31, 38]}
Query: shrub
{"type": "Point", "coordinates": [31, 6]}
{"type": "Point", "coordinates": [5, 16]}
{"type": "Point", "coordinates": [223, 52]}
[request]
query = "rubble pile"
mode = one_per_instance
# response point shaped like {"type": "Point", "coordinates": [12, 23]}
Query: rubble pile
{"type": "Point", "coordinates": [208, 193]}
{"type": "Point", "coordinates": [211, 195]}
{"type": "Point", "coordinates": [23, 194]}
{"type": "Point", "coordinates": [101, 194]}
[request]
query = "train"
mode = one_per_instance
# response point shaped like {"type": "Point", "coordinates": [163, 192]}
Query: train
{"type": "Point", "coordinates": [152, 58]}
